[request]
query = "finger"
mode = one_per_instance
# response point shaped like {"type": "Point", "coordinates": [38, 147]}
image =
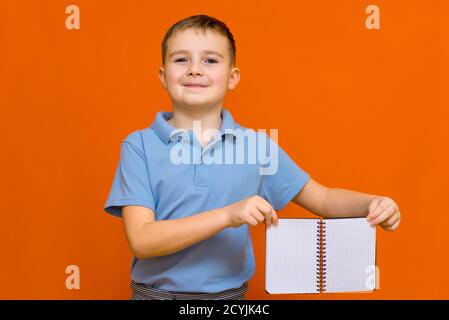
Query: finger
{"type": "Point", "coordinates": [267, 217]}
{"type": "Point", "coordinates": [383, 216]}
{"type": "Point", "coordinates": [257, 215]}
{"type": "Point", "coordinates": [394, 226]}
{"type": "Point", "coordinates": [376, 206]}
{"type": "Point", "coordinates": [265, 209]}
{"type": "Point", "coordinates": [374, 212]}
{"type": "Point", "coordinates": [373, 208]}
{"type": "Point", "coordinates": [391, 220]}
{"type": "Point", "coordinates": [274, 218]}
{"type": "Point", "coordinates": [379, 210]}
{"type": "Point", "coordinates": [268, 210]}
{"type": "Point", "coordinates": [252, 221]}
{"type": "Point", "coordinates": [264, 204]}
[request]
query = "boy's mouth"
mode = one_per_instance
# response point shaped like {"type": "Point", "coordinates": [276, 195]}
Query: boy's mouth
{"type": "Point", "coordinates": [195, 85]}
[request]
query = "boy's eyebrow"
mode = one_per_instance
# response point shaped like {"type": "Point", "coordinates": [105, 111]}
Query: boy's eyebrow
{"type": "Point", "coordinates": [204, 51]}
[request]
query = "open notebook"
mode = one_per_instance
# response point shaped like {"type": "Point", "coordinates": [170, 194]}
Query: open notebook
{"type": "Point", "coordinates": [320, 255]}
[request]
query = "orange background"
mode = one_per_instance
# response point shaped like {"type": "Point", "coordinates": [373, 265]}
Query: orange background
{"type": "Point", "coordinates": [359, 109]}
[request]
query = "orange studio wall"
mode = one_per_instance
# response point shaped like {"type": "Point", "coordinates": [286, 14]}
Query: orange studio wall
{"type": "Point", "coordinates": [360, 104]}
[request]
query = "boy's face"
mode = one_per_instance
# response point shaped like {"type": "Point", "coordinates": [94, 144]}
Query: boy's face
{"type": "Point", "coordinates": [194, 77]}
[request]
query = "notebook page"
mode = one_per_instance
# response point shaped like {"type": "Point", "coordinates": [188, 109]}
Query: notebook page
{"type": "Point", "coordinates": [291, 256]}
{"type": "Point", "coordinates": [350, 255]}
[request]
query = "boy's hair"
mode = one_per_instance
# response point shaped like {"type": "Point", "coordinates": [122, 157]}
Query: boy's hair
{"type": "Point", "coordinates": [204, 23]}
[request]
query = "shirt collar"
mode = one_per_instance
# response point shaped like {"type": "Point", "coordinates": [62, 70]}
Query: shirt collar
{"type": "Point", "coordinates": [166, 131]}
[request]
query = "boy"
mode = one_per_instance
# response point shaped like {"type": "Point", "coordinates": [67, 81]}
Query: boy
{"type": "Point", "coordinates": [187, 221]}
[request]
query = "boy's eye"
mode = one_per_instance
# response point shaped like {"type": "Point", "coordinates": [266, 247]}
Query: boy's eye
{"type": "Point", "coordinates": [183, 59]}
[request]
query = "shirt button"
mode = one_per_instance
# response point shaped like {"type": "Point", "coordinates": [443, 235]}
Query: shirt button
{"type": "Point", "coordinates": [179, 138]}
{"type": "Point", "coordinates": [186, 138]}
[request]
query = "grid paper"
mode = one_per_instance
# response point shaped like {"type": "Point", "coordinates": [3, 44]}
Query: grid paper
{"type": "Point", "coordinates": [291, 256]}
{"type": "Point", "coordinates": [350, 255]}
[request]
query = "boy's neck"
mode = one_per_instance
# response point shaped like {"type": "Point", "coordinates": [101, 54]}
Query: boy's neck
{"type": "Point", "coordinates": [183, 118]}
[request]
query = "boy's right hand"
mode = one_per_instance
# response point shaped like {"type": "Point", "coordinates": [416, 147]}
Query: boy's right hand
{"type": "Point", "coordinates": [251, 210]}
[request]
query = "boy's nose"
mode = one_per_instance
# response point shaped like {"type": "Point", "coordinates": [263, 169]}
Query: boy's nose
{"type": "Point", "coordinates": [195, 69]}
{"type": "Point", "coordinates": [195, 72]}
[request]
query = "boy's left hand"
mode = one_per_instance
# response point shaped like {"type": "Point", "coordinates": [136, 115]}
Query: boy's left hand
{"type": "Point", "coordinates": [385, 211]}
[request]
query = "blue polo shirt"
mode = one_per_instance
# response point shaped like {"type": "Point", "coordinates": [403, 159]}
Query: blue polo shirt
{"type": "Point", "coordinates": [167, 170]}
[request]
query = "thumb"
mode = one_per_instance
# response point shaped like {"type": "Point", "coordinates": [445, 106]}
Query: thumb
{"type": "Point", "coordinates": [373, 206]}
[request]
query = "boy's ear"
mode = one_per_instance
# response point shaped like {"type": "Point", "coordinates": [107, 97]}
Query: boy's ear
{"type": "Point", "coordinates": [161, 74]}
{"type": "Point", "coordinates": [234, 78]}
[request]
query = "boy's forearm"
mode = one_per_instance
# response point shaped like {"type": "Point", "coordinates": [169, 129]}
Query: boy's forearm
{"type": "Point", "coordinates": [345, 203]}
{"type": "Point", "coordinates": [164, 237]}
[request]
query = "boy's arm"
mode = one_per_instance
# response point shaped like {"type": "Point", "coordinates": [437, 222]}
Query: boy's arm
{"type": "Point", "coordinates": [335, 203]}
{"type": "Point", "coordinates": [149, 238]}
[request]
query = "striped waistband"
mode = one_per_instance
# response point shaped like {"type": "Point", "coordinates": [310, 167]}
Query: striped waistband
{"type": "Point", "coordinates": [143, 292]}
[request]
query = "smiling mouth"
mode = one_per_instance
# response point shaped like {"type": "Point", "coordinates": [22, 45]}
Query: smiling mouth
{"type": "Point", "coordinates": [195, 85]}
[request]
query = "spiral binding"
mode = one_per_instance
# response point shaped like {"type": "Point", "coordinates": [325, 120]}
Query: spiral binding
{"type": "Point", "coordinates": [321, 256]}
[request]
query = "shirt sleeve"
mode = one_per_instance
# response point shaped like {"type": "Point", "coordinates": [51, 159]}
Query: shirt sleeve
{"type": "Point", "coordinates": [131, 185]}
{"type": "Point", "coordinates": [284, 181]}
